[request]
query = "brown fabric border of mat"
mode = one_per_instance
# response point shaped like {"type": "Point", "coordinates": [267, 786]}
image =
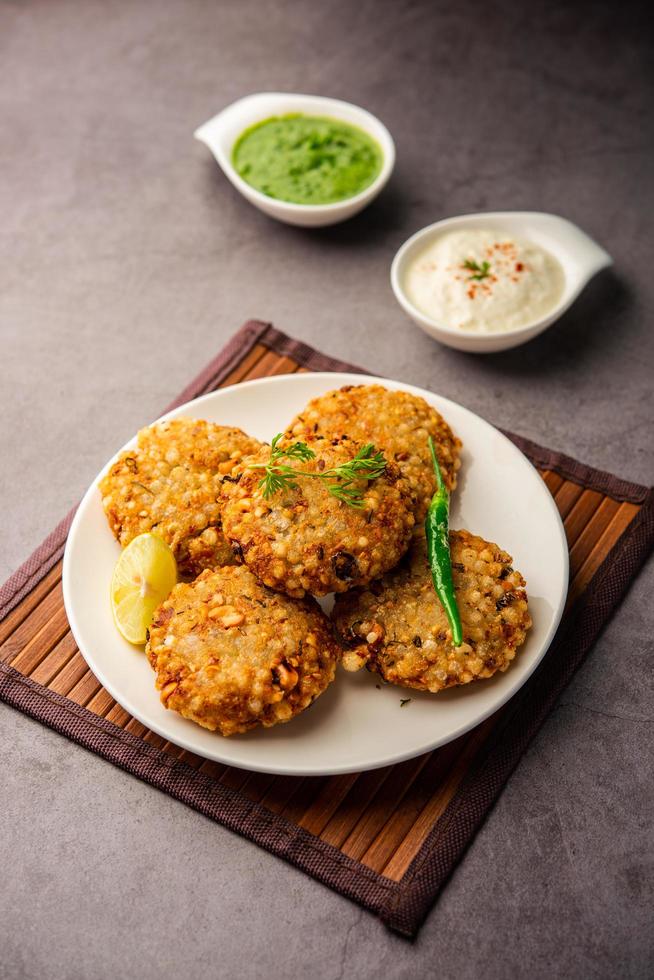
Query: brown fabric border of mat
{"type": "Point", "coordinates": [402, 905]}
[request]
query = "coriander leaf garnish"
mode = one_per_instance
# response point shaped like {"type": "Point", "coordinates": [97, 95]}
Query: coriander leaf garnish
{"type": "Point", "coordinates": [480, 271]}
{"type": "Point", "coordinates": [368, 464]}
{"type": "Point", "coordinates": [299, 450]}
{"type": "Point", "coordinates": [279, 475]}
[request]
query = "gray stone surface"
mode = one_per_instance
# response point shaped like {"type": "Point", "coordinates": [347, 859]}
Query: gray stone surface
{"type": "Point", "coordinates": [126, 260]}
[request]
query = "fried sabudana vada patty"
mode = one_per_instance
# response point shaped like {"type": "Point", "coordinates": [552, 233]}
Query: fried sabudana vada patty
{"type": "Point", "coordinates": [170, 484]}
{"type": "Point", "coordinates": [303, 539]}
{"type": "Point", "coordinates": [397, 422]}
{"type": "Point", "coordinates": [397, 626]}
{"type": "Point", "coordinates": [230, 654]}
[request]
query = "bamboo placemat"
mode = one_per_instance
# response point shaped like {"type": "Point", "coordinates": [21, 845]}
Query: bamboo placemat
{"type": "Point", "coordinates": [388, 839]}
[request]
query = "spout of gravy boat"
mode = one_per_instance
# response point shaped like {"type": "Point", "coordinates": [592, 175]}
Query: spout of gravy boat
{"type": "Point", "coordinates": [578, 255]}
{"type": "Point", "coordinates": [581, 257]}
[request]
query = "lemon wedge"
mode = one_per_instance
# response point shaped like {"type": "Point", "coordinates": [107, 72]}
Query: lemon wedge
{"type": "Point", "coordinates": [143, 577]}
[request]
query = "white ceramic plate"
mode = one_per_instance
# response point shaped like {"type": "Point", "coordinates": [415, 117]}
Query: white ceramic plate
{"type": "Point", "coordinates": [354, 725]}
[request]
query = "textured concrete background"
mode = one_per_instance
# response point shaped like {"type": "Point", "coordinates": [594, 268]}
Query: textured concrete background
{"type": "Point", "coordinates": [126, 260]}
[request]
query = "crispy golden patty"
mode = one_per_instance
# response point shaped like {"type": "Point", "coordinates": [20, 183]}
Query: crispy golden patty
{"type": "Point", "coordinates": [396, 422]}
{"type": "Point", "coordinates": [170, 484]}
{"type": "Point", "coordinates": [397, 626]}
{"type": "Point", "coordinates": [230, 654]}
{"type": "Point", "coordinates": [303, 539]}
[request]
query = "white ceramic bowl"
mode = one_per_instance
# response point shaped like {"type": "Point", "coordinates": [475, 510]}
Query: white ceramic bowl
{"type": "Point", "coordinates": [221, 133]}
{"type": "Point", "coordinates": [580, 258]}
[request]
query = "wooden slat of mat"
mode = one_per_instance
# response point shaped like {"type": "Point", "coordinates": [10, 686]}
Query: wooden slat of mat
{"type": "Point", "coordinates": [383, 806]}
{"type": "Point", "coordinates": [412, 842]}
{"type": "Point", "coordinates": [153, 739]}
{"type": "Point", "coordinates": [318, 812]}
{"type": "Point", "coordinates": [243, 369]}
{"type": "Point", "coordinates": [135, 727]}
{"type": "Point", "coordinates": [171, 749]}
{"type": "Point", "coordinates": [118, 716]}
{"type": "Point", "coordinates": [192, 760]}
{"type": "Point", "coordinates": [29, 603]}
{"type": "Point", "coordinates": [37, 648]}
{"type": "Point", "coordinates": [308, 789]}
{"type": "Point", "coordinates": [234, 778]}
{"type": "Point", "coordinates": [280, 792]}
{"type": "Point", "coordinates": [342, 823]}
{"type": "Point", "coordinates": [379, 818]}
{"type": "Point", "coordinates": [586, 517]}
{"type": "Point", "coordinates": [37, 623]}
{"type": "Point", "coordinates": [552, 480]}
{"type": "Point", "coordinates": [271, 365]}
{"type": "Point", "coordinates": [85, 689]}
{"type": "Point", "coordinates": [69, 675]}
{"type": "Point", "coordinates": [431, 780]}
{"type": "Point", "coordinates": [580, 577]}
{"type": "Point", "coordinates": [213, 770]}
{"type": "Point", "coordinates": [580, 514]}
{"type": "Point", "coordinates": [257, 785]}
{"type": "Point", "coordinates": [566, 497]}
{"type": "Point", "coordinates": [101, 703]}
{"type": "Point", "coordinates": [58, 656]}
{"type": "Point", "coordinates": [592, 531]}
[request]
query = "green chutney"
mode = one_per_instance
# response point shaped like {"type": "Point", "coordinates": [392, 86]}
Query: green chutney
{"type": "Point", "coordinates": [307, 159]}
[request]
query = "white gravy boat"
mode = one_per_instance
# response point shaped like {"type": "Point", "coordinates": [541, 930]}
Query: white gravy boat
{"type": "Point", "coordinates": [221, 133]}
{"type": "Point", "coordinates": [579, 256]}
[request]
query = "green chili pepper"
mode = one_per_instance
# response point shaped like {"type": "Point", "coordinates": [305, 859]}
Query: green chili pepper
{"type": "Point", "coordinates": [437, 531]}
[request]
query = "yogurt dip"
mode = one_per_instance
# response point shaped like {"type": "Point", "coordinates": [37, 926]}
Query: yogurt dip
{"type": "Point", "coordinates": [484, 281]}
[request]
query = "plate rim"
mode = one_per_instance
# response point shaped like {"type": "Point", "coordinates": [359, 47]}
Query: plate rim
{"type": "Point", "coordinates": [288, 770]}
